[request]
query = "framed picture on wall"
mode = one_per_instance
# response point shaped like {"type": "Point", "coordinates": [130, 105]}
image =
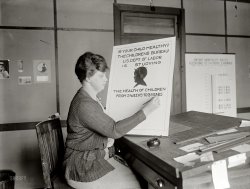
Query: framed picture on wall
{"type": "Point", "coordinates": [42, 71]}
{"type": "Point", "coordinates": [4, 69]}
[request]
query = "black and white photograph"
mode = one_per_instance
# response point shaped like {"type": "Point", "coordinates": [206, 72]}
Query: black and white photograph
{"type": "Point", "coordinates": [124, 94]}
{"type": "Point", "coordinates": [4, 69]}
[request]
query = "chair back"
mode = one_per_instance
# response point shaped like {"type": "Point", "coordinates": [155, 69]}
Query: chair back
{"type": "Point", "coordinates": [51, 146]}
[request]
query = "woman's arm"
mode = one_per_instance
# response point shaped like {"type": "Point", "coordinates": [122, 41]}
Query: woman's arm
{"type": "Point", "coordinates": [92, 115]}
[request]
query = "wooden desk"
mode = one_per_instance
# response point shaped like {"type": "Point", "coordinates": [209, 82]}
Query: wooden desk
{"type": "Point", "coordinates": [160, 170]}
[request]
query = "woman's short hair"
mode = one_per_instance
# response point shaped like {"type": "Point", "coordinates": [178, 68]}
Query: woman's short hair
{"type": "Point", "coordinates": [88, 63]}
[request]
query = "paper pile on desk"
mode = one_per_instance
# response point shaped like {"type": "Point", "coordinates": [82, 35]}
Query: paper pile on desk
{"type": "Point", "coordinates": [192, 147]}
{"type": "Point", "coordinates": [242, 148]}
{"type": "Point", "coordinates": [187, 159]}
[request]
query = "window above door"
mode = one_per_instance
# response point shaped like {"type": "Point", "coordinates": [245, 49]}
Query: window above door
{"type": "Point", "coordinates": [148, 24]}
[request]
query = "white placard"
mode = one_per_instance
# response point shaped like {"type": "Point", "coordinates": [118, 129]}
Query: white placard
{"type": "Point", "coordinates": [211, 83]}
{"type": "Point", "coordinates": [140, 71]}
{"type": "Point", "coordinates": [220, 175]}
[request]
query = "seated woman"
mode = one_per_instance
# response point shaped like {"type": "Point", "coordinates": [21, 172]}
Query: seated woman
{"type": "Point", "coordinates": [90, 132]}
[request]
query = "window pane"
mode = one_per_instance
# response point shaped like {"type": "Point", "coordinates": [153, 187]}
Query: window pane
{"type": "Point", "coordinates": [148, 24]}
{"type": "Point", "coordinates": [137, 38]}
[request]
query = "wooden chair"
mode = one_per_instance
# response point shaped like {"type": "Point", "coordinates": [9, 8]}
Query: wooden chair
{"type": "Point", "coordinates": [51, 146]}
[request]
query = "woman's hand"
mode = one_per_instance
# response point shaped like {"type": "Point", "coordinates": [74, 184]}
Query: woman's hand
{"type": "Point", "coordinates": [151, 105]}
{"type": "Point", "coordinates": [110, 142]}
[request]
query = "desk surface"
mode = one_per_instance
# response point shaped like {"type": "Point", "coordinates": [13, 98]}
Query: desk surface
{"type": "Point", "coordinates": [182, 127]}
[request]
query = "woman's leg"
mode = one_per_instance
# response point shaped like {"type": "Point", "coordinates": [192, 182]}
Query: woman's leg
{"type": "Point", "coordinates": [120, 178]}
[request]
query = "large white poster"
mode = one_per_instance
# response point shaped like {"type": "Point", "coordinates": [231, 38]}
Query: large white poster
{"type": "Point", "coordinates": [211, 83]}
{"type": "Point", "coordinates": [140, 71]}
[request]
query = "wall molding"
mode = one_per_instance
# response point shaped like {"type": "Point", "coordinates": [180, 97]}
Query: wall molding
{"type": "Point", "coordinates": [26, 28]}
{"type": "Point", "coordinates": [55, 28]}
{"type": "Point", "coordinates": [217, 35]}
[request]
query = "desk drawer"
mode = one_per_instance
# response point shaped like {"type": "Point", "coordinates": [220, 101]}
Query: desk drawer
{"type": "Point", "coordinates": [150, 175]}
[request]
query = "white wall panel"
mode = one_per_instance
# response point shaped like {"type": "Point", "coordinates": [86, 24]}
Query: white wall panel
{"type": "Point", "coordinates": [241, 46]}
{"type": "Point", "coordinates": [97, 14]}
{"type": "Point", "coordinates": [79, 42]}
{"type": "Point", "coordinates": [205, 44]}
{"type": "Point", "coordinates": [238, 22]}
{"type": "Point", "coordinates": [35, 101]}
{"type": "Point", "coordinates": [204, 16]}
{"type": "Point", "coordinates": [27, 13]}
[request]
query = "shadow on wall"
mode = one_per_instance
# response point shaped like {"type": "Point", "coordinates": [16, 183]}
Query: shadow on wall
{"type": "Point", "coordinates": [19, 152]}
{"type": "Point", "coordinates": [30, 165]}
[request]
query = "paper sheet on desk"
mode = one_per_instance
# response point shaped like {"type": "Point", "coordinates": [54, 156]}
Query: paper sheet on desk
{"type": "Point", "coordinates": [231, 130]}
{"type": "Point", "coordinates": [242, 148]}
{"type": "Point", "coordinates": [219, 175]}
{"type": "Point", "coordinates": [191, 147]}
{"type": "Point", "coordinates": [245, 123]}
{"type": "Point", "coordinates": [187, 159]}
{"type": "Point", "coordinates": [208, 156]}
{"type": "Point", "coordinates": [236, 160]}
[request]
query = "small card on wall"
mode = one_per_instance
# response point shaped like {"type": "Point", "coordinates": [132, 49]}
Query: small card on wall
{"type": "Point", "coordinates": [20, 65]}
{"type": "Point", "coordinates": [24, 80]}
{"type": "Point", "coordinates": [42, 71]}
